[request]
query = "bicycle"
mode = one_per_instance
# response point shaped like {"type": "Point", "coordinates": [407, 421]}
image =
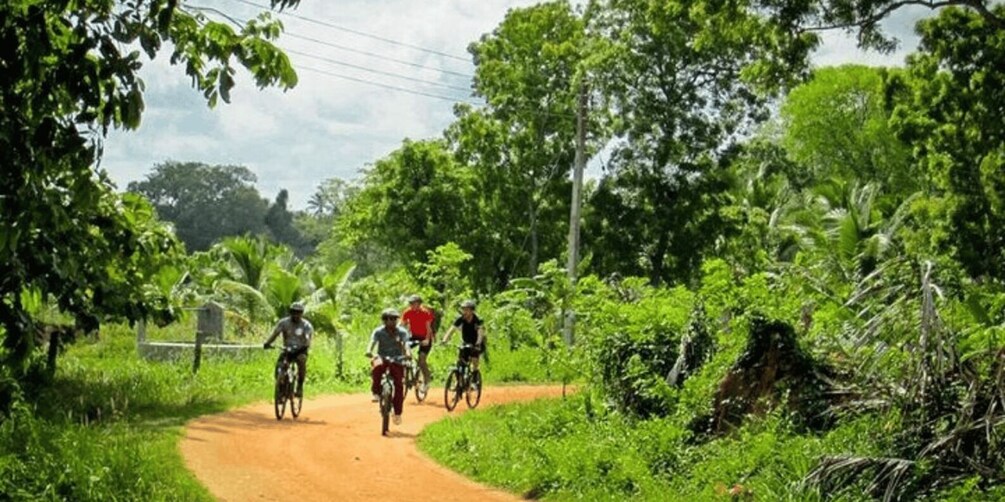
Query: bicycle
{"type": "Point", "coordinates": [415, 378]}
{"type": "Point", "coordinates": [386, 402]}
{"type": "Point", "coordinates": [462, 380]}
{"type": "Point", "coordinates": [286, 384]}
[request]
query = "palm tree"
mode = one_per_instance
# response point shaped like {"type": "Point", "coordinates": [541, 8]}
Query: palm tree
{"type": "Point", "coordinates": [260, 278]}
{"type": "Point", "coordinates": [326, 302]}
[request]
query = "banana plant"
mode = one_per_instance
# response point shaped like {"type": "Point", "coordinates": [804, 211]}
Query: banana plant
{"type": "Point", "coordinates": [325, 304]}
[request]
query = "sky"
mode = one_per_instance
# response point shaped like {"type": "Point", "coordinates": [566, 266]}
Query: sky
{"type": "Point", "coordinates": [330, 126]}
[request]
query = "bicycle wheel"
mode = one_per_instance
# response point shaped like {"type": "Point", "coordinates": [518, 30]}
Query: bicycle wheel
{"type": "Point", "coordinates": [385, 408]}
{"type": "Point", "coordinates": [473, 393]}
{"type": "Point", "coordinates": [409, 380]}
{"type": "Point", "coordinates": [421, 387]}
{"type": "Point", "coordinates": [296, 402]}
{"type": "Point", "coordinates": [452, 391]}
{"type": "Point", "coordinates": [280, 396]}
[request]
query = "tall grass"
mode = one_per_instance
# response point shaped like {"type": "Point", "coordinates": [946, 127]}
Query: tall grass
{"type": "Point", "coordinates": [553, 449]}
{"type": "Point", "coordinates": [107, 426]}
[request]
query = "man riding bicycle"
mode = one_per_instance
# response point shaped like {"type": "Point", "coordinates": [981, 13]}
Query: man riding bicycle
{"type": "Point", "coordinates": [472, 333]}
{"type": "Point", "coordinates": [418, 320]}
{"type": "Point", "coordinates": [297, 334]}
{"type": "Point", "coordinates": [391, 344]}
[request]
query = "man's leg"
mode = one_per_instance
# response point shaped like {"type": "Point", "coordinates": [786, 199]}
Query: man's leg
{"type": "Point", "coordinates": [376, 373]}
{"type": "Point", "coordinates": [397, 375]}
{"type": "Point", "coordinates": [279, 363]}
{"type": "Point", "coordinates": [301, 372]}
{"type": "Point", "coordinates": [423, 364]}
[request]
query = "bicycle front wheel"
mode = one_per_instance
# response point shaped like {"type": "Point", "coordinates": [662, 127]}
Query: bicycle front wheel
{"type": "Point", "coordinates": [421, 387]}
{"type": "Point", "coordinates": [452, 391]}
{"type": "Point", "coordinates": [473, 394]}
{"type": "Point", "coordinates": [296, 402]}
{"type": "Point", "coordinates": [385, 411]}
{"type": "Point", "coordinates": [280, 396]}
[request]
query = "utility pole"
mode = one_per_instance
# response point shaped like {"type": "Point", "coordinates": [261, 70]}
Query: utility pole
{"type": "Point", "coordinates": [577, 189]}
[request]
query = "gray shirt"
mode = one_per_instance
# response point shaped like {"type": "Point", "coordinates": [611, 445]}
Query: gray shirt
{"type": "Point", "coordinates": [295, 334]}
{"type": "Point", "coordinates": [389, 343]}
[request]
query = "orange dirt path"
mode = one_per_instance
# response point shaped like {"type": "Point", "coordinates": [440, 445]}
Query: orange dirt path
{"type": "Point", "coordinates": [334, 451]}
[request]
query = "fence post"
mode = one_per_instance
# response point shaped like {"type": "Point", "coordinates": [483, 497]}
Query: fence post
{"type": "Point", "coordinates": [198, 353]}
{"type": "Point", "coordinates": [338, 347]}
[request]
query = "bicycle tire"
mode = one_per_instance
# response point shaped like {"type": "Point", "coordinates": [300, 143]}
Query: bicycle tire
{"type": "Point", "coordinates": [385, 411]}
{"type": "Point", "coordinates": [409, 381]}
{"type": "Point", "coordinates": [452, 390]}
{"type": "Point", "coordinates": [476, 382]}
{"type": "Point", "coordinates": [420, 393]}
{"type": "Point", "coordinates": [279, 397]}
{"type": "Point", "coordinates": [296, 403]}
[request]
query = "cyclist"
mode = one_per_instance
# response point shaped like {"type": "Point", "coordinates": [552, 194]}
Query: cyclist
{"type": "Point", "coordinates": [297, 334]}
{"type": "Point", "coordinates": [472, 333]}
{"type": "Point", "coordinates": [418, 320]}
{"type": "Point", "coordinates": [391, 344]}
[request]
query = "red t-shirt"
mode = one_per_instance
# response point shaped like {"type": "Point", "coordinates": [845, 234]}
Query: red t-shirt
{"type": "Point", "coordinates": [416, 319]}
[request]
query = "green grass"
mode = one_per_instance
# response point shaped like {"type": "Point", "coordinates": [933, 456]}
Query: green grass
{"type": "Point", "coordinates": [554, 450]}
{"type": "Point", "coordinates": [108, 425]}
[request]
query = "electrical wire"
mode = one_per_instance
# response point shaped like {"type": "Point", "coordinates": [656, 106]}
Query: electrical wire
{"type": "Point", "coordinates": [354, 32]}
{"type": "Point", "coordinates": [374, 55]}
{"type": "Point", "coordinates": [385, 86]}
{"type": "Point", "coordinates": [378, 72]}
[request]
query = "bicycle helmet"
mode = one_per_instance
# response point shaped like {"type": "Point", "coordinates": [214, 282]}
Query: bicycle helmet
{"type": "Point", "coordinates": [297, 307]}
{"type": "Point", "coordinates": [468, 304]}
{"type": "Point", "coordinates": [414, 299]}
{"type": "Point", "coordinates": [389, 314]}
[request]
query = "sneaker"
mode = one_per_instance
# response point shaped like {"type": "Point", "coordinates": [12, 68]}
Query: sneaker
{"type": "Point", "coordinates": [397, 419]}
{"type": "Point", "coordinates": [375, 398]}
{"type": "Point", "coordinates": [424, 387]}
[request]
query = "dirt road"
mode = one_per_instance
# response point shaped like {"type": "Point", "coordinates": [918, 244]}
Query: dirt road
{"type": "Point", "coordinates": [333, 452]}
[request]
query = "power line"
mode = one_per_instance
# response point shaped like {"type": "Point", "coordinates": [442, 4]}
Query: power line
{"type": "Point", "coordinates": [481, 106]}
{"type": "Point", "coordinates": [354, 32]}
{"type": "Point", "coordinates": [385, 86]}
{"type": "Point", "coordinates": [375, 55]}
{"type": "Point", "coordinates": [378, 72]}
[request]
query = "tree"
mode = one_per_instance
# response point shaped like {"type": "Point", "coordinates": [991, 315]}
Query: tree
{"type": "Point", "coordinates": [413, 200]}
{"type": "Point", "coordinates": [528, 69]}
{"type": "Point", "coordinates": [330, 198]}
{"type": "Point", "coordinates": [681, 81]}
{"type": "Point", "coordinates": [205, 203]}
{"type": "Point", "coordinates": [279, 222]}
{"type": "Point", "coordinates": [837, 126]}
{"type": "Point", "coordinates": [948, 107]}
{"type": "Point", "coordinates": [65, 82]}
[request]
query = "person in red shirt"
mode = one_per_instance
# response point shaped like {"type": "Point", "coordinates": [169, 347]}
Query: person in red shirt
{"type": "Point", "coordinates": [419, 322]}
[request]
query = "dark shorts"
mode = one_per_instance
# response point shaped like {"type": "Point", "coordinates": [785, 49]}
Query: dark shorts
{"type": "Point", "coordinates": [470, 353]}
{"type": "Point", "coordinates": [299, 355]}
{"type": "Point", "coordinates": [423, 349]}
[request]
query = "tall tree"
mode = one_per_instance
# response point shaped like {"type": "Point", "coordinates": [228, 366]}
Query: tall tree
{"type": "Point", "coordinates": [280, 224]}
{"type": "Point", "coordinates": [949, 109]}
{"type": "Point", "coordinates": [205, 203]}
{"type": "Point", "coordinates": [682, 83]}
{"type": "Point", "coordinates": [413, 200]}
{"type": "Point", "coordinates": [528, 69]}
{"type": "Point", "coordinates": [65, 81]}
{"type": "Point", "coordinates": [837, 126]}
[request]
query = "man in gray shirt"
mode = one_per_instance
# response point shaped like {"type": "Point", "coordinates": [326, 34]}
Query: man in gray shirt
{"type": "Point", "coordinates": [391, 344]}
{"type": "Point", "coordinates": [297, 334]}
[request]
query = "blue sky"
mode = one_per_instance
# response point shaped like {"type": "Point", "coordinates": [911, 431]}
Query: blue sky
{"type": "Point", "coordinates": [327, 127]}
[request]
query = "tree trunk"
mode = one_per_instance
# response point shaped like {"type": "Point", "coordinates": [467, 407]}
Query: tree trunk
{"type": "Point", "coordinates": [532, 212]}
{"type": "Point", "coordinates": [53, 352]}
{"type": "Point", "coordinates": [657, 259]}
